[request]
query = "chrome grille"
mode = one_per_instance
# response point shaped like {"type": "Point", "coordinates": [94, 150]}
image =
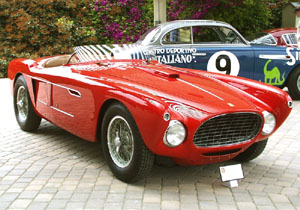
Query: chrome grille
{"type": "Point", "coordinates": [228, 129]}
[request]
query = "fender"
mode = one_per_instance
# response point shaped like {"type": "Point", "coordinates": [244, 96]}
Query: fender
{"type": "Point", "coordinates": [268, 96]}
{"type": "Point", "coordinates": [147, 111]}
{"type": "Point", "coordinates": [296, 67]}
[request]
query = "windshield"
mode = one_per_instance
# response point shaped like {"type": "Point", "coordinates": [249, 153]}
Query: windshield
{"type": "Point", "coordinates": [290, 38]}
{"type": "Point", "coordinates": [89, 53]}
{"type": "Point", "coordinates": [262, 38]}
{"type": "Point", "coordinates": [150, 36]}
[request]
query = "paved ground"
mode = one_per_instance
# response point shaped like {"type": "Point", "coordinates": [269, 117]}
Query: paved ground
{"type": "Point", "coordinates": [52, 169]}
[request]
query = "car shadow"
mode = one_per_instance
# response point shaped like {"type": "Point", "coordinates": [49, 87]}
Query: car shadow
{"type": "Point", "coordinates": [79, 151]}
{"type": "Point", "coordinates": [55, 138]}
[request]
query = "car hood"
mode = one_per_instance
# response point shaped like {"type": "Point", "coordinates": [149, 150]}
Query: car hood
{"type": "Point", "coordinates": [174, 85]}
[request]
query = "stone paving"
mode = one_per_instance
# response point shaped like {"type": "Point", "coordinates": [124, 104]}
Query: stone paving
{"type": "Point", "coordinates": [52, 169]}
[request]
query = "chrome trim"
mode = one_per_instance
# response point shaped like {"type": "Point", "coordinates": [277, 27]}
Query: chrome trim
{"type": "Point", "coordinates": [275, 57]}
{"type": "Point", "coordinates": [221, 115]}
{"type": "Point", "coordinates": [290, 104]}
{"type": "Point", "coordinates": [166, 132]}
{"type": "Point", "coordinates": [22, 103]}
{"type": "Point", "coordinates": [63, 112]}
{"type": "Point", "coordinates": [199, 54]}
{"type": "Point", "coordinates": [61, 86]}
{"type": "Point", "coordinates": [192, 34]}
{"type": "Point", "coordinates": [75, 93]}
{"type": "Point", "coordinates": [191, 23]}
{"type": "Point", "coordinates": [120, 142]}
{"type": "Point", "coordinates": [42, 102]}
{"type": "Point", "coordinates": [167, 116]}
{"type": "Point", "coordinates": [265, 113]}
{"type": "Point", "coordinates": [56, 109]}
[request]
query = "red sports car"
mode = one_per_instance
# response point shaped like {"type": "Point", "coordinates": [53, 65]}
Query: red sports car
{"type": "Point", "coordinates": [138, 108]}
{"type": "Point", "coordinates": [279, 36]}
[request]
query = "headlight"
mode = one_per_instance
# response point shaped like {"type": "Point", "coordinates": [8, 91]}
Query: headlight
{"type": "Point", "coordinates": [175, 134]}
{"type": "Point", "coordinates": [270, 123]}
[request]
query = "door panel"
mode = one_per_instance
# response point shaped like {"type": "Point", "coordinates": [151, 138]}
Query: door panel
{"type": "Point", "coordinates": [237, 61]}
{"type": "Point", "coordinates": [67, 101]}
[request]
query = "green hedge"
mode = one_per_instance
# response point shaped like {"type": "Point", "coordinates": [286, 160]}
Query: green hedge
{"type": "Point", "coordinates": [34, 28]}
{"type": "Point", "coordinates": [247, 16]}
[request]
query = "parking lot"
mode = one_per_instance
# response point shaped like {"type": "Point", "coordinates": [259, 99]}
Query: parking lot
{"type": "Point", "coordinates": [52, 169]}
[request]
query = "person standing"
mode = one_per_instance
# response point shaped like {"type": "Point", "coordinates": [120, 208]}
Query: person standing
{"type": "Point", "coordinates": [297, 11]}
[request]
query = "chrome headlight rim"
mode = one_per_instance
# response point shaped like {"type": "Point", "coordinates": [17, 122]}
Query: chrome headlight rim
{"type": "Point", "coordinates": [290, 104]}
{"type": "Point", "coordinates": [172, 139]}
{"type": "Point", "coordinates": [269, 123]}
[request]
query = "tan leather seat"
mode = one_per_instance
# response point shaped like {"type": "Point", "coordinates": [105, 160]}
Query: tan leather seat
{"type": "Point", "coordinates": [57, 61]}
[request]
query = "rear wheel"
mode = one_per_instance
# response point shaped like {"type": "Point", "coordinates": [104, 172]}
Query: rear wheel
{"type": "Point", "coordinates": [252, 152]}
{"type": "Point", "coordinates": [26, 117]}
{"type": "Point", "coordinates": [293, 84]}
{"type": "Point", "coordinates": [123, 147]}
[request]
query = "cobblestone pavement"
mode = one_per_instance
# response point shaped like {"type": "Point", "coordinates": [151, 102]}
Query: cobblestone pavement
{"type": "Point", "coordinates": [52, 169]}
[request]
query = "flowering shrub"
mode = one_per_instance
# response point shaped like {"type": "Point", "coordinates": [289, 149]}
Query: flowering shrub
{"type": "Point", "coordinates": [188, 9]}
{"type": "Point", "coordinates": [121, 21]}
{"type": "Point", "coordinates": [34, 28]}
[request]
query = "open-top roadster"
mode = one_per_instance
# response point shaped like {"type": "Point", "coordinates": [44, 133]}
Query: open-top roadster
{"type": "Point", "coordinates": [138, 108]}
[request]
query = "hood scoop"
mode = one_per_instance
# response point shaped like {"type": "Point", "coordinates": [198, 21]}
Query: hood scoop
{"type": "Point", "coordinates": [165, 74]}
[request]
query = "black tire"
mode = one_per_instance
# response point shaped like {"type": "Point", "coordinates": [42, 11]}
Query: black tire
{"type": "Point", "coordinates": [252, 152]}
{"type": "Point", "coordinates": [121, 139]}
{"type": "Point", "coordinates": [26, 117]}
{"type": "Point", "coordinates": [293, 84]}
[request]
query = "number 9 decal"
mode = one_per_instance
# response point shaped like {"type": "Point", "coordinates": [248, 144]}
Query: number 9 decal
{"type": "Point", "coordinates": [224, 62]}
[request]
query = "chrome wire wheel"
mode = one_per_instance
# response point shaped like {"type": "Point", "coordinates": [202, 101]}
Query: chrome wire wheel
{"type": "Point", "coordinates": [293, 83]}
{"type": "Point", "coordinates": [22, 103]}
{"type": "Point", "coordinates": [124, 150]}
{"type": "Point", "coordinates": [298, 83]}
{"type": "Point", "coordinates": [120, 141]}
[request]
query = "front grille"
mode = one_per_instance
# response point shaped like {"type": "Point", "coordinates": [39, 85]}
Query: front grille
{"type": "Point", "coordinates": [228, 129]}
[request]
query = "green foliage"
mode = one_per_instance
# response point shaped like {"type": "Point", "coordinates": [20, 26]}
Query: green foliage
{"type": "Point", "coordinates": [275, 7]}
{"type": "Point", "coordinates": [35, 28]}
{"type": "Point", "coordinates": [247, 16]}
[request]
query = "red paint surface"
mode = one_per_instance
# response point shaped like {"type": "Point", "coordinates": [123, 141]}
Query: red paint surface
{"type": "Point", "coordinates": [148, 90]}
{"type": "Point", "coordinates": [278, 32]}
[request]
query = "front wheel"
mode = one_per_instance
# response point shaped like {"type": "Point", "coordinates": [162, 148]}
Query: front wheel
{"type": "Point", "coordinates": [293, 84]}
{"type": "Point", "coordinates": [252, 152]}
{"type": "Point", "coordinates": [123, 147]}
{"type": "Point", "coordinates": [25, 114]}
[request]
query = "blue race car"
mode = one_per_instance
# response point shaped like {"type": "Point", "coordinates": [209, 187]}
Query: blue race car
{"type": "Point", "coordinates": [218, 47]}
